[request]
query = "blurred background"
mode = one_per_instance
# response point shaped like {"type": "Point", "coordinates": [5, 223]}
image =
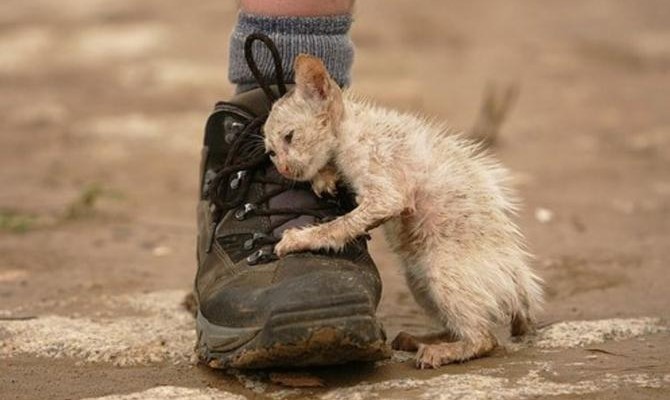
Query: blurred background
{"type": "Point", "coordinates": [102, 109]}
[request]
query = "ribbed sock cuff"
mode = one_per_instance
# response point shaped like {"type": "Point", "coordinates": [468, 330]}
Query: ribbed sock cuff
{"type": "Point", "coordinates": [324, 37]}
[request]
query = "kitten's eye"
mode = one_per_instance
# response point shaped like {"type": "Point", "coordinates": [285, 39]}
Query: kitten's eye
{"type": "Point", "coordinates": [288, 138]}
{"type": "Point", "coordinates": [272, 153]}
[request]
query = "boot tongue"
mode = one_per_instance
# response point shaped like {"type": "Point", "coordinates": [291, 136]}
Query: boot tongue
{"type": "Point", "coordinates": [295, 198]}
{"type": "Point", "coordinates": [254, 100]}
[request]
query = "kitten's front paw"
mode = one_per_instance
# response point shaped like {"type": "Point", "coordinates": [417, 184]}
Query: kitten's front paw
{"type": "Point", "coordinates": [325, 183]}
{"type": "Point", "coordinates": [292, 240]}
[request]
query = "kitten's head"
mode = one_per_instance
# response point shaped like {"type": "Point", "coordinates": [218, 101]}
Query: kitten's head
{"type": "Point", "coordinates": [301, 130]}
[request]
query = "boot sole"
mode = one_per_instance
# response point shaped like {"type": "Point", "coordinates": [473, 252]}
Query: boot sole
{"type": "Point", "coordinates": [295, 338]}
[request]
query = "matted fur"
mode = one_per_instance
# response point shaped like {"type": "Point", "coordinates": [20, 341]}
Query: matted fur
{"type": "Point", "coordinates": [444, 203]}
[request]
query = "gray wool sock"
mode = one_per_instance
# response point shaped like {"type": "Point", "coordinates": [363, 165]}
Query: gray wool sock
{"type": "Point", "coordinates": [324, 37]}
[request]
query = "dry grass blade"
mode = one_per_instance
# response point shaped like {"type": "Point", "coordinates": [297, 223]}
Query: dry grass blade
{"type": "Point", "coordinates": [496, 106]}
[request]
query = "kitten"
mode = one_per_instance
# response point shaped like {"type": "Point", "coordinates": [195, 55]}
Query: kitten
{"type": "Point", "coordinates": [443, 204]}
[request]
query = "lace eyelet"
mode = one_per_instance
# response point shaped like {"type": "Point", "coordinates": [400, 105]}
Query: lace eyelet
{"type": "Point", "coordinates": [232, 129]}
{"type": "Point", "coordinates": [237, 179]}
{"type": "Point", "coordinates": [241, 213]}
{"type": "Point", "coordinates": [206, 186]}
{"type": "Point", "coordinates": [258, 256]}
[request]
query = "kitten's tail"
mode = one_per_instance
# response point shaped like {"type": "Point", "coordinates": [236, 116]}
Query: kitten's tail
{"type": "Point", "coordinates": [498, 100]}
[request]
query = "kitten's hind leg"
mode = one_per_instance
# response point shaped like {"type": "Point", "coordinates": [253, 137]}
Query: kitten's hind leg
{"type": "Point", "coordinates": [438, 354]}
{"type": "Point", "coordinates": [407, 342]}
{"type": "Point", "coordinates": [458, 294]}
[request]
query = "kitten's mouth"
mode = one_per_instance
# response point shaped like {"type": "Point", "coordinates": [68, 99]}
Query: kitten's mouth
{"type": "Point", "coordinates": [288, 173]}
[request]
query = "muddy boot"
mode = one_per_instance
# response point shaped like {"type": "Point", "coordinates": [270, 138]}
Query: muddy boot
{"type": "Point", "coordinates": [253, 309]}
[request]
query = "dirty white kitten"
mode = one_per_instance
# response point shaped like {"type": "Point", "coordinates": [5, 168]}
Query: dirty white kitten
{"type": "Point", "coordinates": [444, 207]}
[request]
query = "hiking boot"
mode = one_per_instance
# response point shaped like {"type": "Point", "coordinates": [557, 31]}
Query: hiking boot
{"type": "Point", "coordinates": [255, 310]}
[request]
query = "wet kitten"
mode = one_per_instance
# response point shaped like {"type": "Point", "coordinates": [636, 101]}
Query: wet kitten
{"type": "Point", "coordinates": [444, 206]}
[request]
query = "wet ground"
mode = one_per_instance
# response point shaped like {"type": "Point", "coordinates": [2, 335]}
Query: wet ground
{"type": "Point", "coordinates": [102, 107]}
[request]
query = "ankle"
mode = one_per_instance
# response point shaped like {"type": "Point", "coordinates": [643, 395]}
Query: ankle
{"type": "Point", "coordinates": [325, 37]}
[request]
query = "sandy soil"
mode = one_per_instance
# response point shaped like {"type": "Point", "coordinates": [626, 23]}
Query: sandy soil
{"type": "Point", "coordinates": [102, 108]}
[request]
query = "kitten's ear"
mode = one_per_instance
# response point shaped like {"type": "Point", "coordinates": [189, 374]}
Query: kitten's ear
{"type": "Point", "coordinates": [311, 77]}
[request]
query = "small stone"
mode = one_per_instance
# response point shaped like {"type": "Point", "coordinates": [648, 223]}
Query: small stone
{"type": "Point", "coordinates": [543, 215]}
{"type": "Point", "coordinates": [161, 251]}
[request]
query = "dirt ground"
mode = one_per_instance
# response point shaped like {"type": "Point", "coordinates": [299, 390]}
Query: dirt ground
{"type": "Point", "coordinates": [103, 106]}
